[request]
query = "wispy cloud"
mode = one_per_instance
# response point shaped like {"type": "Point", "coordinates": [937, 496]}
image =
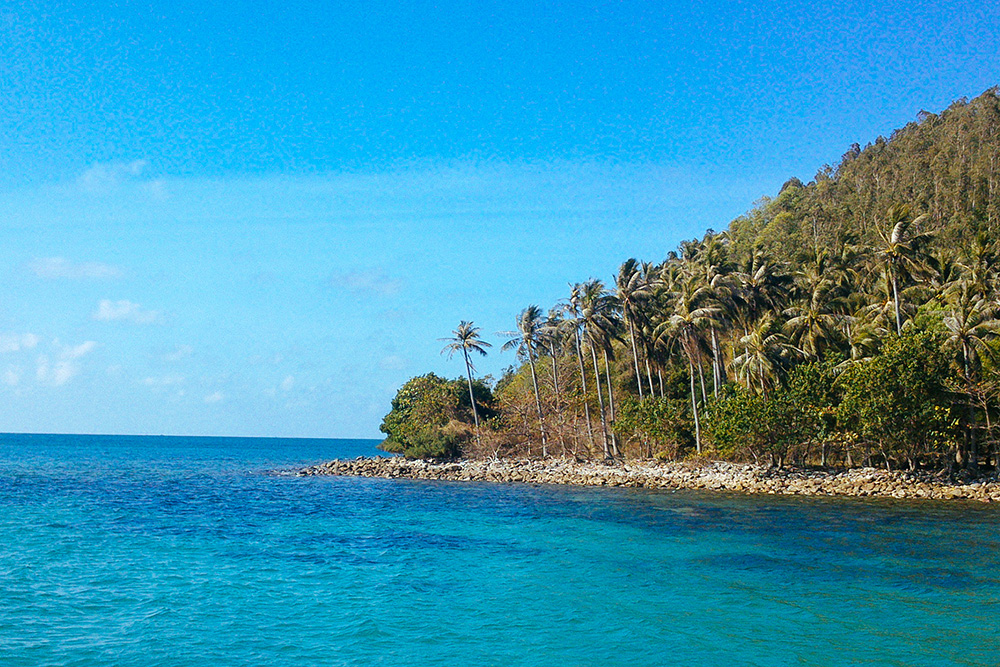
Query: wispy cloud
{"type": "Point", "coordinates": [108, 175]}
{"type": "Point", "coordinates": [65, 366]}
{"type": "Point", "coordinates": [60, 267]}
{"type": "Point", "coordinates": [124, 311]}
{"type": "Point", "coordinates": [215, 397]}
{"type": "Point", "coordinates": [393, 363]}
{"type": "Point", "coordinates": [17, 342]}
{"type": "Point", "coordinates": [163, 381]}
{"type": "Point", "coordinates": [11, 377]}
{"type": "Point", "coordinates": [287, 383]}
{"type": "Point", "coordinates": [367, 282]}
{"type": "Point", "coordinates": [179, 353]}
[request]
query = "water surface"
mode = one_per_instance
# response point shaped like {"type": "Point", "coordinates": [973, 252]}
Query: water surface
{"type": "Point", "coordinates": [187, 551]}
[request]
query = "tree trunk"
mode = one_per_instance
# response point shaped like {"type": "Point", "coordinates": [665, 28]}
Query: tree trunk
{"type": "Point", "coordinates": [635, 357]}
{"type": "Point", "coordinates": [895, 303]}
{"type": "Point", "coordinates": [694, 409]}
{"type": "Point", "coordinates": [611, 405]}
{"type": "Point", "coordinates": [538, 402]}
{"type": "Point", "coordinates": [472, 396]}
{"type": "Point", "coordinates": [583, 386]}
{"type": "Point", "coordinates": [600, 401]}
{"type": "Point", "coordinates": [701, 378]}
{"type": "Point", "coordinates": [555, 388]}
{"type": "Point", "coordinates": [716, 365]}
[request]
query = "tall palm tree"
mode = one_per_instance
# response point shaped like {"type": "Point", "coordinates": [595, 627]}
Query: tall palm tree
{"type": "Point", "coordinates": [902, 253]}
{"type": "Point", "coordinates": [466, 338]}
{"type": "Point", "coordinates": [686, 327]}
{"type": "Point", "coordinates": [573, 309]}
{"type": "Point", "coordinates": [551, 337]}
{"type": "Point", "coordinates": [525, 340]}
{"type": "Point", "coordinates": [633, 288]}
{"type": "Point", "coordinates": [598, 322]}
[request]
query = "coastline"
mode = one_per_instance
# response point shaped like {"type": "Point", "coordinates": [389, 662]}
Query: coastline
{"type": "Point", "coordinates": [711, 475]}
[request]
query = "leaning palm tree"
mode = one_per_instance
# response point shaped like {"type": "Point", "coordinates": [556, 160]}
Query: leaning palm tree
{"type": "Point", "coordinates": [901, 253]}
{"type": "Point", "coordinates": [525, 341]}
{"type": "Point", "coordinates": [466, 338]}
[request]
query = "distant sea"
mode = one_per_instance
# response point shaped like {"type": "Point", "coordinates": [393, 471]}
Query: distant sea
{"type": "Point", "coordinates": [193, 551]}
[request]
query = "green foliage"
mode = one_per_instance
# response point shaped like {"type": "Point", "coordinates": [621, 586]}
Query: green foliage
{"type": "Point", "coordinates": [427, 416]}
{"type": "Point", "coordinates": [813, 388]}
{"type": "Point", "coordinates": [742, 422]}
{"type": "Point", "coordinates": [898, 402]}
{"type": "Point", "coordinates": [663, 425]}
{"type": "Point", "coordinates": [942, 164]}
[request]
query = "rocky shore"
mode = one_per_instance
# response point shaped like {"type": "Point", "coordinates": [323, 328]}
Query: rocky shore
{"type": "Point", "coordinates": [715, 475]}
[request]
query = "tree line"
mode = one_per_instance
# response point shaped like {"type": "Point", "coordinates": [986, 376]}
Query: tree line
{"type": "Point", "coordinates": [851, 320]}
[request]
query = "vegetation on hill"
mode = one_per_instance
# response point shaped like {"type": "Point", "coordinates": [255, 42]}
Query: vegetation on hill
{"type": "Point", "coordinates": [849, 320]}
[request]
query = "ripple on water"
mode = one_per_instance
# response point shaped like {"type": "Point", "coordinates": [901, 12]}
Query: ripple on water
{"type": "Point", "coordinates": [185, 551]}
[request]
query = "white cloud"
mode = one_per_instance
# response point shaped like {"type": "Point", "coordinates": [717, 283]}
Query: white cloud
{"type": "Point", "coordinates": [368, 282]}
{"type": "Point", "coordinates": [287, 383]}
{"type": "Point", "coordinates": [106, 176]}
{"type": "Point", "coordinates": [215, 397]}
{"type": "Point", "coordinates": [179, 353]}
{"type": "Point", "coordinates": [17, 342]}
{"type": "Point", "coordinates": [11, 377]}
{"type": "Point", "coordinates": [163, 381]}
{"type": "Point", "coordinates": [60, 267]}
{"type": "Point", "coordinates": [124, 311]}
{"type": "Point", "coordinates": [65, 366]}
{"type": "Point", "coordinates": [392, 363]}
{"type": "Point", "coordinates": [79, 350]}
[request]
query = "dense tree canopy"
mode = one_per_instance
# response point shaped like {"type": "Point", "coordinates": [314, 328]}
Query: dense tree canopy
{"type": "Point", "coordinates": [851, 319]}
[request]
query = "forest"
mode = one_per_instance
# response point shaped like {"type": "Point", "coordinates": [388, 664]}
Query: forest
{"type": "Point", "coordinates": [852, 320]}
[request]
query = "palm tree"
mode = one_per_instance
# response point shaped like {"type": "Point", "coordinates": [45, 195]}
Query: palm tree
{"type": "Point", "coordinates": [573, 309]}
{"type": "Point", "coordinates": [598, 320]}
{"type": "Point", "coordinates": [901, 253]}
{"type": "Point", "coordinates": [633, 289]}
{"type": "Point", "coordinates": [971, 324]}
{"type": "Point", "coordinates": [685, 327]}
{"type": "Point", "coordinates": [767, 356]}
{"type": "Point", "coordinates": [466, 338]}
{"type": "Point", "coordinates": [813, 325]}
{"type": "Point", "coordinates": [551, 337]}
{"type": "Point", "coordinates": [525, 340]}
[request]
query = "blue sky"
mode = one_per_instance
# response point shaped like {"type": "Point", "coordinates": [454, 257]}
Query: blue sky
{"type": "Point", "coordinates": [259, 219]}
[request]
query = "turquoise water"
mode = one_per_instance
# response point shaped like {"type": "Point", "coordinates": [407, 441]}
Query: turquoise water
{"type": "Point", "coordinates": [186, 551]}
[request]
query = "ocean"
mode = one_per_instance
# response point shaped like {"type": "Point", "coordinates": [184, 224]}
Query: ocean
{"type": "Point", "coordinates": [122, 550]}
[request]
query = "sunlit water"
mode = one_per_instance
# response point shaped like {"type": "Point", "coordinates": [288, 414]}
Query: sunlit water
{"type": "Point", "coordinates": [187, 551]}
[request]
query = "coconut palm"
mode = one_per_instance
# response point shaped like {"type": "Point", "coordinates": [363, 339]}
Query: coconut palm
{"type": "Point", "coordinates": [525, 341]}
{"type": "Point", "coordinates": [633, 287]}
{"type": "Point", "coordinates": [971, 324]}
{"type": "Point", "coordinates": [685, 328]}
{"type": "Point", "coordinates": [814, 324]}
{"type": "Point", "coordinates": [466, 338]}
{"type": "Point", "coordinates": [902, 253]}
{"type": "Point", "coordinates": [767, 356]}
{"type": "Point", "coordinates": [573, 308]}
{"type": "Point", "coordinates": [551, 336]}
{"type": "Point", "coordinates": [598, 317]}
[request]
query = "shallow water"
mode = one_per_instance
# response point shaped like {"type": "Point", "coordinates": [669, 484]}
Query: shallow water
{"type": "Point", "coordinates": [186, 551]}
